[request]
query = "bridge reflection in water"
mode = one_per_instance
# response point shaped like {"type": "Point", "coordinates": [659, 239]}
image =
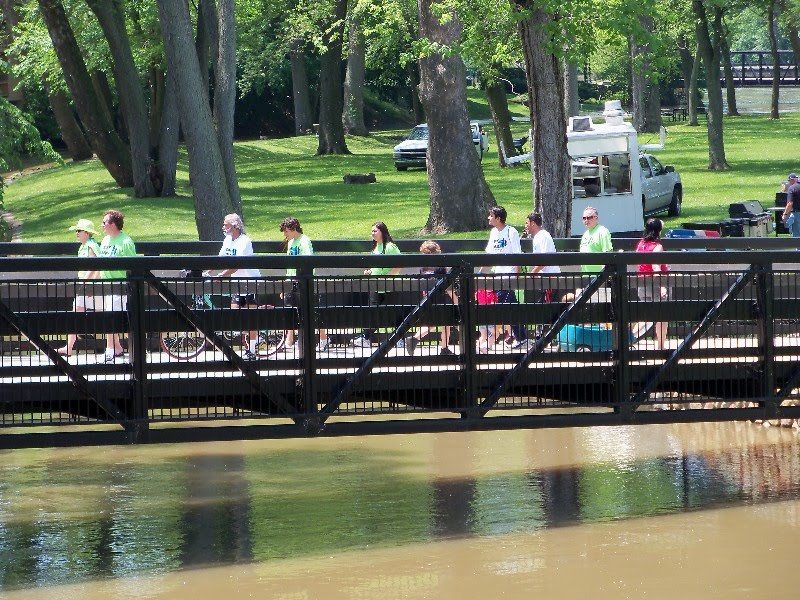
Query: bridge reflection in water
{"type": "Point", "coordinates": [732, 338]}
{"type": "Point", "coordinates": [76, 516]}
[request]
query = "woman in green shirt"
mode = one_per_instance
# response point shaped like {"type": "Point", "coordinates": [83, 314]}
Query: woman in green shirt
{"type": "Point", "coordinates": [382, 243]}
{"type": "Point", "coordinates": [84, 232]}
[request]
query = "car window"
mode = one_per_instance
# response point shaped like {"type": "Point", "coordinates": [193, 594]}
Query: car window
{"type": "Point", "coordinates": [419, 133]}
{"type": "Point", "coordinates": [645, 167]}
{"type": "Point", "coordinates": [658, 169]}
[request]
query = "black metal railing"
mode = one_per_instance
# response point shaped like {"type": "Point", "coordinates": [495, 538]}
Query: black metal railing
{"type": "Point", "coordinates": [580, 346]}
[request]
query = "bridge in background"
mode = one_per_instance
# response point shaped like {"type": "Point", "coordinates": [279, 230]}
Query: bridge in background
{"type": "Point", "coordinates": [755, 68]}
{"type": "Point", "coordinates": [733, 351]}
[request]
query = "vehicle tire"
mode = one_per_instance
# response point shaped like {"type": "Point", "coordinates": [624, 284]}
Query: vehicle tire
{"type": "Point", "coordinates": [182, 345]}
{"type": "Point", "coordinates": [675, 206]}
{"type": "Point", "coordinates": [270, 341]}
{"type": "Point", "coordinates": [401, 167]}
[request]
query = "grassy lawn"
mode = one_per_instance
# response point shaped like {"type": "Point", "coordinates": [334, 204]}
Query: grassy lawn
{"type": "Point", "coordinates": [283, 177]}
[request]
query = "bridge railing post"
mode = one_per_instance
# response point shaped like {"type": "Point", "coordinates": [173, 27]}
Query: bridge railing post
{"type": "Point", "coordinates": [466, 334]}
{"type": "Point", "coordinates": [620, 303]}
{"type": "Point", "coordinates": [137, 351]}
{"type": "Point", "coordinates": [765, 318]}
{"type": "Point", "coordinates": [307, 337]}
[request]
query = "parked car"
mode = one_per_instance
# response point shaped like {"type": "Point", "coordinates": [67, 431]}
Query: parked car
{"type": "Point", "coordinates": [662, 190]}
{"type": "Point", "coordinates": [412, 152]}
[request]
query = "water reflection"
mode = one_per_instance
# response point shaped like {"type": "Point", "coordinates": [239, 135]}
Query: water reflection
{"type": "Point", "coordinates": [75, 515]}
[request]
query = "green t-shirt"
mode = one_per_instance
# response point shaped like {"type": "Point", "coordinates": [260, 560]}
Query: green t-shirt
{"type": "Point", "coordinates": [83, 252]}
{"type": "Point", "coordinates": [121, 245]}
{"type": "Point", "coordinates": [299, 246]}
{"type": "Point", "coordinates": [391, 248]}
{"type": "Point", "coordinates": [595, 240]}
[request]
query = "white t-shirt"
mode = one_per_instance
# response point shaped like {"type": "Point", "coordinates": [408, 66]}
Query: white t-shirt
{"type": "Point", "coordinates": [241, 246]}
{"type": "Point", "coordinates": [543, 244]}
{"type": "Point", "coordinates": [504, 241]}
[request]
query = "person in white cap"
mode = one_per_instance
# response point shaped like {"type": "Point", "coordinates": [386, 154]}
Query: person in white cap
{"type": "Point", "coordinates": [84, 232]}
{"type": "Point", "coordinates": [793, 205]}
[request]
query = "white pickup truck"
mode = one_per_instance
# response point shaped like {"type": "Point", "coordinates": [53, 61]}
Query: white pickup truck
{"type": "Point", "coordinates": [412, 152]}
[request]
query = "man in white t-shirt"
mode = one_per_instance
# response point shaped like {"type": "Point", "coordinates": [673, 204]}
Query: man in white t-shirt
{"type": "Point", "coordinates": [237, 243]}
{"type": "Point", "coordinates": [542, 244]}
{"type": "Point", "coordinates": [504, 239]}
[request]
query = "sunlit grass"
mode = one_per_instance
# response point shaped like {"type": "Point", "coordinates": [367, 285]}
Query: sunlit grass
{"type": "Point", "coordinates": [282, 177]}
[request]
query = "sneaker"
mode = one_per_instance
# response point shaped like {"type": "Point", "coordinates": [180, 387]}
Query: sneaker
{"type": "Point", "coordinates": [323, 345]}
{"type": "Point", "coordinates": [360, 342]}
{"type": "Point", "coordinates": [445, 351]}
{"type": "Point", "coordinates": [411, 345]}
{"type": "Point", "coordinates": [248, 355]}
{"type": "Point", "coordinates": [109, 356]}
{"type": "Point", "coordinates": [524, 345]}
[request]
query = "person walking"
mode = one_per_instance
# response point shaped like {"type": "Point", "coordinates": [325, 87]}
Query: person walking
{"type": "Point", "coordinates": [115, 244]}
{"type": "Point", "coordinates": [651, 287]}
{"type": "Point", "coordinates": [237, 243]}
{"type": "Point", "coordinates": [792, 206]}
{"type": "Point", "coordinates": [542, 244]}
{"type": "Point", "coordinates": [596, 238]}
{"type": "Point", "coordinates": [298, 244]}
{"type": "Point", "coordinates": [504, 239]}
{"type": "Point", "coordinates": [84, 299]}
{"type": "Point", "coordinates": [445, 297]}
{"type": "Point", "coordinates": [382, 243]}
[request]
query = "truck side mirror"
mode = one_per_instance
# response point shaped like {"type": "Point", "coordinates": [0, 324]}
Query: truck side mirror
{"type": "Point", "coordinates": [669, 169]}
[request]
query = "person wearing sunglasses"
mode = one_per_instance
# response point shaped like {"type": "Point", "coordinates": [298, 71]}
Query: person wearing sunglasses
{"type": "Point", "coordinates": [596, 238]}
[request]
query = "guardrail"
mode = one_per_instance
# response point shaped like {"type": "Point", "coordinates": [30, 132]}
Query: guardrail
{"type": "Point", "coordinates": [733, 325]}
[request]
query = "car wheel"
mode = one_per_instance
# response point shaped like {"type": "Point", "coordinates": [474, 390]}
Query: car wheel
{"type": "Point", "coordinates": [401, 167]}
{"type": "Point", "coordinates": [675, 205]}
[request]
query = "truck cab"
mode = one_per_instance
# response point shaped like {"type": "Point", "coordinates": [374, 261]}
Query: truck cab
{"type": "Point", "coordinates": [413, 151]}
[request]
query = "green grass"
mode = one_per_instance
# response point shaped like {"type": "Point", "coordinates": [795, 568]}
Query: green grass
{"type": "Point", "coordinates": [283, 177]}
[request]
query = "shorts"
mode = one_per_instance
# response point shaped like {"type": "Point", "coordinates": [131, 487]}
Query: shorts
{"type": "Point", "coordinates": [243, 299]}
{"type": "Point", "coordinates": [113, 302]}
{"type": "Point", "coordinates": [84, 301]}
{"type": "Point", "coordinates": [651, 293]}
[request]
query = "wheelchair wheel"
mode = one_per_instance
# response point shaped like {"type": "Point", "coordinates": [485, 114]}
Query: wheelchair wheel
{"type": "Point", "coordinates": [182, 345]}
{"type": "Point", "coordinates": [270, 341]}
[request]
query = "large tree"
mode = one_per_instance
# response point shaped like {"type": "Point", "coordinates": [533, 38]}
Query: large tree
{"type": "Point", "coordinates": [110, 148]}
{"type": "Point", "coordinates": [550, 163]}
{"type": "Point", "coordinates": [212, 199]}
{"type": "Point", "coordinates": [460, 196]}
{"type": "Point", "coordinates": [709, 40]}
{"type": "Point", "coordinates": [331, 101]}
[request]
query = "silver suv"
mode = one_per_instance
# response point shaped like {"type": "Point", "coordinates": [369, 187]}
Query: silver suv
{"type": "Point", "coordinates": [412, 152]}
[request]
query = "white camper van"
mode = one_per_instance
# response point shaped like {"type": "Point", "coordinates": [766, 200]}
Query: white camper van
{"type": "Point", "coordinates": [611, 173]}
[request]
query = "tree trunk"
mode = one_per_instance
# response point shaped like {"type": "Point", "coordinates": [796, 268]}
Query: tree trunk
{"type": "Point", "coordinates": [353, 115]}
{"type": "Point", "coordinates": [331, 130]}
{"type": "Point", "coordinates": [501, 118]}
{"type": "Point", "coordinates": [710, 51]}
{"type": "Point", "coordinates": [412, 70]}
{"type": "Point", "coordinates": [110, 15]}
{"type": "Point", "coordinates": [572, 101]}
{"type": "Point", "coordinates": [211, 198]}
{"type": "Point", "coordinates": [156, 84]}
{"type": "Point", "coordinates": [694, 92]}
{"type": "Point", "coordinates": [108, 146]}
{"type": "Point", "coordinates": [730, 83]}
{"type": "Point", "coordinates": [776, 61]}
{"type": "Point", "coordinates": [460, 196]}
{"type": "Point", "coordinates": [225, 97]}
{"type": "Point", "coordinates": [644, 91]}
{"type": "Point", "coordinates": [301, 94]}
{"type": "Point", "coordinates": [550, 164]}
{"type": "Point", "coordinates": [8, 13]}
{"type": "Point", "coordinates": [71, 132]}
{"type": "Point", "coordinates": [168, 136]}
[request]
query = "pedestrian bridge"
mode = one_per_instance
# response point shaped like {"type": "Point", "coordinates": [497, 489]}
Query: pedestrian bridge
{"type": "Point", "coordinates": [732, 350]}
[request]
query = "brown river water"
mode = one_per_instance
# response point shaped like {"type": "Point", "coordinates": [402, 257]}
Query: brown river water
{"type": "Point", "coordinates": [668, 511]}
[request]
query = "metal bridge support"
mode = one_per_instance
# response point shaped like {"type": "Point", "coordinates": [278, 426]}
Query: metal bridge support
{"type": "Point", "coordinates": [620, 305]}
{"type": "Point", "coordinates": [137, 350]}
{"type": "Point", "coordinates": [466, 335]}
{"type": "Point", "coordinates": [765, 317]}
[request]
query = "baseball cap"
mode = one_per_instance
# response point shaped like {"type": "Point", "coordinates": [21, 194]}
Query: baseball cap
{"type": "Point", "coordinates": [792, 175]}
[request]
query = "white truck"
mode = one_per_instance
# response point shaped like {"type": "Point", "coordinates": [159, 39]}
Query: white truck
{"type": "Point", "coordinates": [413, 151]}
{"type": "Point", "coordinates": [611, 173]}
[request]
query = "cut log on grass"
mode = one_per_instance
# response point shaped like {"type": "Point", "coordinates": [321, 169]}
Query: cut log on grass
{"type": "Point", "coordinates": [360, 178]}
